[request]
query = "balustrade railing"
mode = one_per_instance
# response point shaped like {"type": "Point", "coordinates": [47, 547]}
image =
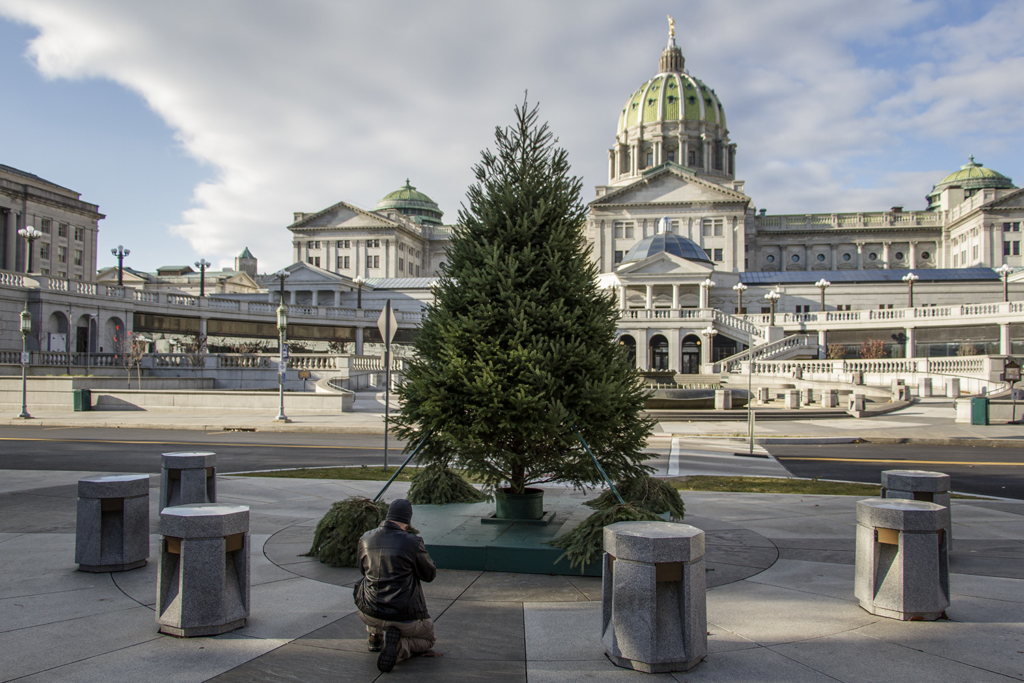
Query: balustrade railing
{"type": "Point", "coordinates": [765, 351]}
{"type": "Point", "coordinates": [225, 304]}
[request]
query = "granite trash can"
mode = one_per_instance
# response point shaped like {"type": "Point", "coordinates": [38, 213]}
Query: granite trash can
{"type": "Point", "coordinates": [952, 387]}
{"type": "Point", "coordinates": [807, 396]}
{"type": "Point", "coordinates": [763, 395]}
{"type": "Point", "coordinates": [188, 479]}
{"type": "Point", "coordinates": [204, 569]}
{"type": "Point", "coordinates": [112, 527]}
{"type": "Point", "coordinates": [856, 403]}
{"type": "Point", "coordinates": [930, 487]}
{"type": "Point", "coordinates": [924, 387]}
{"type": "Point", "coordinates": [654, 596]}
{"type": "Point", "coordinates": [902, 559]}
{"type": "Point", "coordinates": [829, 398]}
{"type": "Point", "coordinates": [792, 399]}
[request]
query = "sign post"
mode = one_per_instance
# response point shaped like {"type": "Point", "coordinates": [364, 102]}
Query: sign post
{"type": "Point", "coordinates": [387, 323]}
{"type": "Point", "coordinates": [1011, 374]}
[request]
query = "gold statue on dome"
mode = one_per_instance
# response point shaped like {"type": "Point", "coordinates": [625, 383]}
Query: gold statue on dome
{"type": "Point", "coordinates": [671, 26]}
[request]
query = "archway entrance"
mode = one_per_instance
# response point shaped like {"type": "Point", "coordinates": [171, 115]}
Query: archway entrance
{"type": "Point", "coordinates": [690, 355]}
{"type": "Point", "coordinates": [629, 344]}
{"type": "Point", "coordinates": [659, 353]}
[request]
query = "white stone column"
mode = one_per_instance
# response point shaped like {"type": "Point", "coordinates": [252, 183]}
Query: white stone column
{"type": "Point", "coordinates": [359, 341]}
{"type": "Point", "coordinates": [675, 297]}
{"type": "Point", "coordinates": [612, 160]}
{"type": "Point", "coordinates": [703, 297]}
{"type": "Point", "coordinates": [684, 148]}
{"type": "Point", "coordinates": [315, 297]}
{"type": "Point", "coordinates": [885, 254]}
{"type": "Point", "coordinates": [1004, 339]}
{"type": "Point", "coordinates": [912, 255]}
{"type": "Point", "coordinates": [623, 301]}
{"type": "Point", "coordinates": [911, 342]}
{"type": "Point", "coordinates": [860, 256]}
{"type": "Point", "coordinates": [643, 349]}
{"type": "Point", "coordinates": [822, 344]}
{"type": "Point", "coordinates": [834, 256]}
{"type": "Point", "coordinates": [650, 297]}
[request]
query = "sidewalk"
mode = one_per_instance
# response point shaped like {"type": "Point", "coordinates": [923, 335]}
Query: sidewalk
{"type": "Point", "coordinates": [780, 606]}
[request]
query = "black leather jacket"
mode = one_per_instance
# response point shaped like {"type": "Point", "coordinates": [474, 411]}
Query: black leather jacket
{"type": "Point", "coordinates": [393, 563]}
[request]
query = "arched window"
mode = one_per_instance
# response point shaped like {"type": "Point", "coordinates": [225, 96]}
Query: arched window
{"type": "Point", "coordinates": [628, 343]}
{"type": "Point", "coordinates": [659, 353]}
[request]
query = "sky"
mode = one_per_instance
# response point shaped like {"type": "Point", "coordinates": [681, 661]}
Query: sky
{"type": "Point", "coordinates": [199, 127]}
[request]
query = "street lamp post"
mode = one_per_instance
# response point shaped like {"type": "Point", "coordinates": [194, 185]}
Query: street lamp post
{"type": "Point", "coordinates": [26, 328]}
{"type": "Point", "coordinates": [706, 286]}
{"type": "Point", "coordinates": [120, 253]}
{"type": "Point", "coordinates": [359, 280]}
{"type": "Point", "coordinates": [31, 235]}
{"type": "Point", "coordinates": [1004, 272]}
{"type": "Point", "coordinates": [202, 264]}
{"type": "Point", "coordinates": [772, 298]}
{"type": "Point", "coordinates": [739, 287]}
{"type": "Point", "coordinates": [822, 284]}
{"type": "Point", "coordinates": [709, 333]}
{"type": "Point", "coordinates": [910, 279]}
{"type": "Point", "coordinates": [282, 330]}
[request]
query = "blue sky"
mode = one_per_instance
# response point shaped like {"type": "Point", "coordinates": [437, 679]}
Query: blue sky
{"type": "Point", "coordinates": [200, 127]}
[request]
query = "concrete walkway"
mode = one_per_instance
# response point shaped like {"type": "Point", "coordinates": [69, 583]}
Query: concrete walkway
{"type": "Point", "coordinates": [795, 620]}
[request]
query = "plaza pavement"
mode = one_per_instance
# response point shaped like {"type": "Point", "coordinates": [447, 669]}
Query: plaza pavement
{"type": "Point", "coordinates": [780, 606]}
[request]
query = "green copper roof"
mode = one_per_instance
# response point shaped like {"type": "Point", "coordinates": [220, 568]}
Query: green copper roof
{"type": "Point", "coordinates": [246, 254]}
{"type": "Point", "coordinates": [971, 176]}
{"type": "Point", "coordinates": [671, 97]}
{"type": "Point", "coordinates": [411, 202]}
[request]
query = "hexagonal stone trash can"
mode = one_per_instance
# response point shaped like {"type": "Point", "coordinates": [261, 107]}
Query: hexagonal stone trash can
{"type": "Point", "coordinates": [902, 565]}
{"type": "Point", "coordinates": [188, 479]}
{"type": "Point", "coordinates": [203, 578]}
{"type": "Point", "coordinates": [930, 487]}
{"type": "Point", "coordinates": [112, 528]}
{"type": "Point", "coordinates": [654, 596]}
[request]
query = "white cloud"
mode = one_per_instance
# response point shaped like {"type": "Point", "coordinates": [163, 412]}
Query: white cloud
{"type": "Point", "coordinates": [297, 105]}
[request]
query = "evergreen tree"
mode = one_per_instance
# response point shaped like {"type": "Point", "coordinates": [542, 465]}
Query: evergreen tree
{"type": "Point", "coordinates": [519, 345]}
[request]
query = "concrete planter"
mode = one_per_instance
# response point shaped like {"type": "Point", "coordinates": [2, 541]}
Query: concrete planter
{"type": "Point", "coordinates": [529, 505]}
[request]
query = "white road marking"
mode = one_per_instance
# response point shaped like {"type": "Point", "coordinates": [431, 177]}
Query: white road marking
{"type": "Point", "coordinates": [673, 459]}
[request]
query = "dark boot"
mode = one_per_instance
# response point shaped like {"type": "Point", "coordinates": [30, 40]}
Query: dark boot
{"type": "Point", "coordinates": [389, 655]}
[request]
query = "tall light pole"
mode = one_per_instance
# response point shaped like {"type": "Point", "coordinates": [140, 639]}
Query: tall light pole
{"type": "Point", "coordinates": [120, 253]}
{"type": "Point", "coordinates": [202, 264]}
{"type": "Point", "coordinates": [706, 286]}
{"type": "Point", "coordinates": [1004, 272]}
{"type": "Point", "coordinates": [282, 331]}
{"type": "Point", "coordinates": [359, 280]}
{"type": "Point", "coordinates": [739, 287]}
{"type": "Point", "coordinates": [910, 279]}
{"type": "Point", "coordinates": [26, 328]}
{"type": "Point", "coordinates": [31, 235]}
{"type": "Point", "coordinates": [772, 298]}
{"type": "Point", "coordinates": [709, 333]}
{"type": "Point", "coordinates": [822, 284]}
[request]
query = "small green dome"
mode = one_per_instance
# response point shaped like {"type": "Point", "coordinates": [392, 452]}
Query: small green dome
{"type": "Point", "coordinates": [410, 202]}
{"type": "Point", "coordinates": [971, 177]}
{"type": "Point", "coordinates": [671, 97]}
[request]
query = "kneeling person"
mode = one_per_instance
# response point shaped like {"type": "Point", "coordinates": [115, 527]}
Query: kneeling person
{"type": "Point", "coordinates": [389, 596]}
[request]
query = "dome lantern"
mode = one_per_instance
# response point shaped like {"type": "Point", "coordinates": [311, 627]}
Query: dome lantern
{"type": "Point", "coordinates": [410, 202]}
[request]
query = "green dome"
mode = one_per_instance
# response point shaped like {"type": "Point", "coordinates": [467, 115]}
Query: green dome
{"type": "Point", "coordinates": [971, 177]}
{"type": "Point", "coordinates": [410, 202]}
{"type": "Point", "coordinates": [671, 97]}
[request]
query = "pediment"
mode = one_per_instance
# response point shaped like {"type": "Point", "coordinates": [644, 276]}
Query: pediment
{"type": "Point", "coordinates": [242, 279]}
{"type": "Point", "coordinates": [671, 187]}
{"type": "Point", "coordinates": [1013, 200]}
{"type": "Point", "coordinates": [664, 264]}
{"type": "Point", "coordinates": [343, 216]}
{"type": "Point", "coordinates": [302, 273]}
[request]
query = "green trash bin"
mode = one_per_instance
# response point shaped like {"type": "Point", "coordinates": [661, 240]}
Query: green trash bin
{"type": "Point", "coordinates": [979, 411]}
{"type": "Point", "coordinates": [82, 399]}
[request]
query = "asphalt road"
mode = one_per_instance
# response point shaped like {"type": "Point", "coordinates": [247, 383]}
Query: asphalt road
{"type": "Point", "coordinates": [139, 450]}
{"type": "Point", "coordinates": [972, 469]}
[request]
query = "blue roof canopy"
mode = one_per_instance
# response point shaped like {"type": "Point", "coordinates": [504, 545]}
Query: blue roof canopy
{"type": "Point", "coordinates": [875, 275]}
{"type": "Point", "coordinates": [670, 243]}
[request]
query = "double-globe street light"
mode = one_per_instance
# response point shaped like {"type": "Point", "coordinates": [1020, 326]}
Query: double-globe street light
{"type": "Point", "coordinates": [910, 279]}
{"type": "Point", "coordinates": [822, 285]}
{"type": "Point", "coordinates": [739, 288]}
{"type": "Point", "coordinates": [282, 330]}
{"type": "Point", "coordinates": [31, 235]}
{"type": "Point", "coordinates": [26, 328]}
{"type": "Point", "coordinates": [706, 290]}
{"type": "Point", "coordinates": [359, 280]}
{"type": "Point", "coordinates": [202, 264]}
{"type": "Point", "coordinates": [120, 253]}
{"type": "Point", "coordinates": [772, 298]}
{"type": "Point", "coordinates": [1004, 272]}
{"type": "Point", "coordinates": [709, 333]}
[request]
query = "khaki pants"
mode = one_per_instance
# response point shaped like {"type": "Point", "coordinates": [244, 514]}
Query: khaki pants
{"type": "Point", "coordinates": [417, 636]}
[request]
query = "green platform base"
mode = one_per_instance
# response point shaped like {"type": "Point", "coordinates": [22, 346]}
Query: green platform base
{"type": "Point", "coordinates": [543, 521]}
{"type": "Point", "coordinates": [456, 538]}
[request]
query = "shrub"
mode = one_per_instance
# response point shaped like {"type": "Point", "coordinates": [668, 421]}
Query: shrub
{"type": "Point", "coordinates": [647, 493]}
{"type": "Point", "coordinates": [437, 484]}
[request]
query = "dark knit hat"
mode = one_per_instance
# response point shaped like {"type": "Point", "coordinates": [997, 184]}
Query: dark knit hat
{"type": "Point", "coordinates": [400, 510]}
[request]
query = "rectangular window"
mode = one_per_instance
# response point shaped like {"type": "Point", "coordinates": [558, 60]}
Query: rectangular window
{"type": "Point", "coordinates": [629, 231]}
{"type": "Point", "coordinates": [618, 231]}
{"type": "Point", "coordinates": [672, 155]}
{"type": "Point", "coordinates": [62, 230]}
{"type": "Point", "coordinates": [712, 227]}
{"type": "Point", "coordinates": [309, 245]}
{"type": "Point", "coordinates": [1016, 248]}
{"type": "Point", "coordinates": [692, 161]}
{"type": "Point", "coordinates": [343, 262]}
{"type": "Point", "coordinates": [618, 257]}
{"type": "Point", "coordinates": [975, 252]}
{"type": "Point", "coordinates": [44, 250]}
{"type": "Point", "coordinates": [62, 254]}
{"type": "Point", "coordinates": [342, 244]}
{"type": "Point", "coordinates": [373, 244]}
{"type": "Point", "coordinates": [1007, 246]}
{"type": "Point", "coordinates": [708, 252]}
{"type": "Point", "coordinates": [764, 309]}
{"type": "Point", "coordinates": [79, 234]}
{"type": "Point", "coordinates": [78, 257]}
{"type": "Point", "coordinates": [417, 271]}
{"type": "Point", "coordinates": [1011, 227]}
{"type": "Point", "coordinates": [718, 255]}
{"type": "Point", "coordinates": [401, 265]}
{"type": "Point", "coordinates": [45, 226]}
{"type": "Point", "coordinates": [372, 261]}
{"type": "Point", "coordinates": [650, 158]}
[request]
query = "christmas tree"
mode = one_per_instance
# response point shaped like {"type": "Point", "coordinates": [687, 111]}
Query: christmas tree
{"type": "Point", "coordinates": [519, 344]}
